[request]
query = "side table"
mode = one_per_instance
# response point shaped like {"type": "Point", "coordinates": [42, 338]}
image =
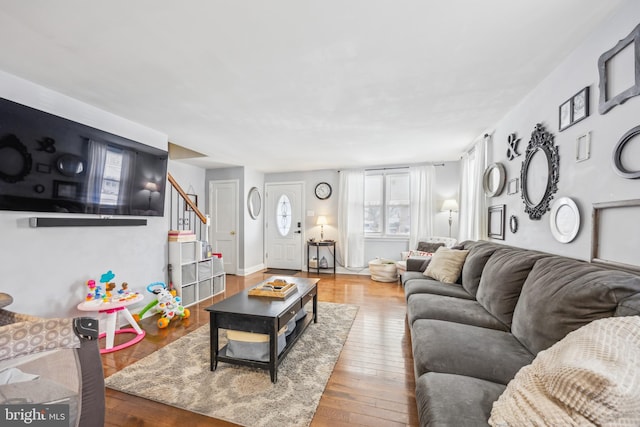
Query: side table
{"type": "Point", "coordinates": [326, 243]}
{"type": "Point", "coordinates": [112, 309]}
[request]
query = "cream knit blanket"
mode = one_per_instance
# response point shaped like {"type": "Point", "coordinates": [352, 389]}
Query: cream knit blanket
{"type": "Point", "coordinates": [591, 377]}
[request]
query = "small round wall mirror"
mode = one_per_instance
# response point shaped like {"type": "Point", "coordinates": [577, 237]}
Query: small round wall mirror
{"type": "Point", "coordinates": [254, 202]}
{"type": "Point", "coordinates": [70, 165]}
{"type": "Point", "coordinates": [494, 179]}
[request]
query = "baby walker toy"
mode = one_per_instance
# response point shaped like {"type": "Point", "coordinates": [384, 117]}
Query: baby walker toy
{"type": "Point", "coordinates": [166, 303]}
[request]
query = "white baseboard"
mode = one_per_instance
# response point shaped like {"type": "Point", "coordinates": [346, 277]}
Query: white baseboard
{"type": "Point", "coordinates": [250, 270]}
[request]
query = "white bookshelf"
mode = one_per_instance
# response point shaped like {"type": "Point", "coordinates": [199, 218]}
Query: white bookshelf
{"type": "Point", "coordinates": [195, 277]}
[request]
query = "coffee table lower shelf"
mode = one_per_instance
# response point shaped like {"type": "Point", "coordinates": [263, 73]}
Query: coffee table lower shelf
{"type": "Point", "coordinates": [301, 326]}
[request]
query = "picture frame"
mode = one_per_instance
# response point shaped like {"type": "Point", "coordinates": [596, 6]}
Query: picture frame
{"type": "Point", "coordinates": [613, 244]}
{"type": "Point", "coordinates": [496, 220]}
{"type": "Point", "coordinates": [43, 168]}
{"type": "Point", "coordinates": [583, 147]}
{"type": "Point", "coordinates": [66, 190]}
{"type": "Point", "coordinates": [606, 69]}
{"type": "Point", "coordinates": [194, 199]}
{"type": "Point", "coordinates": [513, 186]}
{"type": "Point", "coordinates": [574, 109]}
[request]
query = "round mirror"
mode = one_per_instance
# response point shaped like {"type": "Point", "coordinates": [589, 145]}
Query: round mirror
{"type": "Point", "coordinates": [494, 179]}
{"type": "Point", "coordinates": [70, 165]}
{"type": "Point", "coordinates": [254, 202]}
{"type": "Point", "coordinates": [15, 160]}
{"type": "Point", "coordinates": [540, 173]}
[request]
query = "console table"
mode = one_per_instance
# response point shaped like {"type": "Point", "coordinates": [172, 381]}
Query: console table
{"type": "Point", "coordinates": [322, 243]}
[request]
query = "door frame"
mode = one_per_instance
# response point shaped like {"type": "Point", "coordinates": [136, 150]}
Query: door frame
{"type": "Point", "coordinates": [237, 219]}
{"type": "Point", "coordinates": [303, 216]}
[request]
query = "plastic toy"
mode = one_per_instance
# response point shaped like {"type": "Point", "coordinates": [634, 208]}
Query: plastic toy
{"type": "Point", "coordinates": [166, 303]}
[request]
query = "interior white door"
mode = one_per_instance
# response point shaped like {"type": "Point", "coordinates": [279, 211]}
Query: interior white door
{"type": "Point", "coordinates": [223, 205]}
{"type": "Point", "coordinates": [283, 224]}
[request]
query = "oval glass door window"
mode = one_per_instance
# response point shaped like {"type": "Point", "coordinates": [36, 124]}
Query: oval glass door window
{"type": "Point", "coordinates": [283, 215]}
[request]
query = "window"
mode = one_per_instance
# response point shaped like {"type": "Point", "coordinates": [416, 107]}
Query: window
{"type": "Point", "coordinates": [283, 215]}
{"type": "Point", "coordinates": [110, 188]}
{"type": "Point", "coordinates": [386, 204]}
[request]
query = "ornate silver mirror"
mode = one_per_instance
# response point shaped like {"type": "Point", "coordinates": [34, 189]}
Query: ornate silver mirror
{"type": "Point", "coordinates": [254, 202]}
{"type": "Point", "coordinates": [493, 179]}
{"type": "Point", "coordinates": [540, 173]}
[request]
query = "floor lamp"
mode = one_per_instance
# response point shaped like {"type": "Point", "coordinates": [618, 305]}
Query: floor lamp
{"type": "Point", "coordinates": [452, 206]}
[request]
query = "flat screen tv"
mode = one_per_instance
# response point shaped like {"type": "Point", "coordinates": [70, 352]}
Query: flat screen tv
{"type": "Point", "coordinates": [51, 164]}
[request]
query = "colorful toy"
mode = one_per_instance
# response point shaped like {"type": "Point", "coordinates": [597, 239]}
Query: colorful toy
{"type": "Point", "coordinates": [99, 296]}
{"type": "Point", "coordinates": [166, 303]}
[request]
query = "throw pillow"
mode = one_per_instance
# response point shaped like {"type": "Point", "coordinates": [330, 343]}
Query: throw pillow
{"type": "Point", "coordinates": [590, 377]}
{"type": "Point", "coordinates": [420, 253]}
{"type": "Point", "coordinates": [446, 264]}
{"type": "Point", "coordinates": [429, 247]}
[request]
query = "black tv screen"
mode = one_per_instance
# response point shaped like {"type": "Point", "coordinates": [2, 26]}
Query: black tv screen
{"type": "Point", "coordinates": [51, 164]}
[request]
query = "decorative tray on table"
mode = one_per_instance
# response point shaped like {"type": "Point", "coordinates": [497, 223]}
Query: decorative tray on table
{"type": "Point", "coordinates": [277, 288]}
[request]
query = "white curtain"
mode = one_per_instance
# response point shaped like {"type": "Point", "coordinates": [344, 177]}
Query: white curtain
{"type": "Point", "coordinates": [422, 203]}
{"type": "Point", "coordinates": [473, 206]}
{"type": "Point", "coordinates": [351, 219]}
{"type": "Point", "coordinates": [97, 158]}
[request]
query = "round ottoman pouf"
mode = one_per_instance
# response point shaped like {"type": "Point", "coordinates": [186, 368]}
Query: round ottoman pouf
{"type": "Point", "coordinates": [383, 270]}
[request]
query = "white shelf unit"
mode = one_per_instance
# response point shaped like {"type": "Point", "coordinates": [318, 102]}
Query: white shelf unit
{"type": "Point", "coordinates": [195, 277]}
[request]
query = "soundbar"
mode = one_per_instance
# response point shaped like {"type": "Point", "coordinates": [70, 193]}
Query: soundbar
{"type": "Point", "coordinates": [85, 222]}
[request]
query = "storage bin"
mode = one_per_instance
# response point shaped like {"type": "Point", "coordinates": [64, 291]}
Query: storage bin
{"type": "Point", "coordinates": [188, 273]}
{"type": "Point", "coordinates": [205, 289]}
{"type": "Point", "coordinates": [205, 269]}
{"type": "Point", "coordinates": [250, 346]}
{"type": "Point", "coordinates": [383, 270]}
{"type": "Point", "coordinates": [218, 284]}
{"type": "Point", "coordinates": [188, 294]}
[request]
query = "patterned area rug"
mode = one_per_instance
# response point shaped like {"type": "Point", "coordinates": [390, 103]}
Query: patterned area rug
{"type": "Point", "coordinates": [179, 375]}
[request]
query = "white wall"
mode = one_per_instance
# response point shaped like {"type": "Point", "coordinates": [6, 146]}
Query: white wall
{"type": "Point", "coordinates": [587, 182]}
{"type": "Point", "coordinates": [45, 269]}
{"type": "Point", "coordinates": [253, 228]}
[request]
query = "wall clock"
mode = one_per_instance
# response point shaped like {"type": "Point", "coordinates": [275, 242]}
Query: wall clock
{"type": "Point", "coordinates": [323, 191]}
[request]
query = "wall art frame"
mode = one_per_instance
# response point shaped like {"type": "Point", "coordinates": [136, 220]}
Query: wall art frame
{"type": "Point", "coordinates": [496, 219]}
{"type": "Point", "coordinates": [618, 167]}
{"type": "Point", "coordinates": [66, 190]}
{"type": "Point", "coordinates": [541, 141]}
{"type": "Point", "coordinates": [608, 101]}
{"type": "Point", "coordinates": [254, 202]}
{"type": "Point", "coordinates": [596, 234]}
{"type": "Point", "coordinates": [513, 186]}
{"type": "Point", "coordinates": [583, 147]}
{"type": "Point", "coordinates": [494, 179]}
{"type": "Point", "coordinates": [513, 224]}
{"type": "Point", "coordinates": [194, 199]}
{"type": "Point", "coordinates": [574, 109]}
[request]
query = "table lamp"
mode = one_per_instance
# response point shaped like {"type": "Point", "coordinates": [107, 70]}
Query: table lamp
{"type": "Point", "coordinates": [452, 206]}
{"type": "Point", "coordinates": [321, 221]}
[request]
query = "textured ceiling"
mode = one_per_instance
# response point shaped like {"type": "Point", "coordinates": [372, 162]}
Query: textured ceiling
{"type": "Point", "coordinates": [299, 85]}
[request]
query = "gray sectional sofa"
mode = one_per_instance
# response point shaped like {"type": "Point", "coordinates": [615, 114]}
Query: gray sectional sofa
{"type": "Point", "coordinates": [470, 338]}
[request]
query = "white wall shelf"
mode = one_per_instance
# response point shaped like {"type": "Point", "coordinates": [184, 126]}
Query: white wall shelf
{"type": "Point", "coordinates": [195, 277]}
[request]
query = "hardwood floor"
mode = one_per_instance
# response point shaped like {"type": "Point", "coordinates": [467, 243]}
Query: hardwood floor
{"type": "Point", "coordinates": [372, 383]}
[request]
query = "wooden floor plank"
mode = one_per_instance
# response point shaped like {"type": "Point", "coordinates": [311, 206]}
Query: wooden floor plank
{"type": "Point", "coordinates": [372, 384]}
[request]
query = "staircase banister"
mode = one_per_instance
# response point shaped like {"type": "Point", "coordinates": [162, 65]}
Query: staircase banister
{"type": "Point", "coordinates": [203, 218]}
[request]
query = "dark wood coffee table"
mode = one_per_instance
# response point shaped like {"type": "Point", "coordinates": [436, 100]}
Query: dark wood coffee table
{"type": "Point", "coordinates": [262, 315]}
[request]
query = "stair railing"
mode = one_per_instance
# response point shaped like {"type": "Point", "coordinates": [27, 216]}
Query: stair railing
{"type": "Point", "coordinates": [184, 213]}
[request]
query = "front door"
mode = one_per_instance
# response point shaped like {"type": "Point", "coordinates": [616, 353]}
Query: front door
{"type": "Point", "coordinates": [223, 205]}
{"type": "Point", "coordinates": [283, 225]}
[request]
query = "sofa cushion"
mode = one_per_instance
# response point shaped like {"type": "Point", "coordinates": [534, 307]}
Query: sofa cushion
{"type": "Point", "coordinates": [502, 279]}
{"type": "Point", "coordinates": [590, 377]}
{"type": "Point", "coordinates": [425, 285]}
{"type": "Point", "coordinates": [429, 246]}
{"type": "Point", "coordinates": [479, 253]}
{"type": "Point", "coordinates": [446, 264]}
{"type": "Point", "coordinates": [453, 400]}
{"type": "Point", "coordinates": [454, 348]}
{"type": "Point", "coordinates": [560, 295]}
{"type": "Point", "coordinates": [451, 309]}
{"type": "Point", "coordinates": [418, 264]}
